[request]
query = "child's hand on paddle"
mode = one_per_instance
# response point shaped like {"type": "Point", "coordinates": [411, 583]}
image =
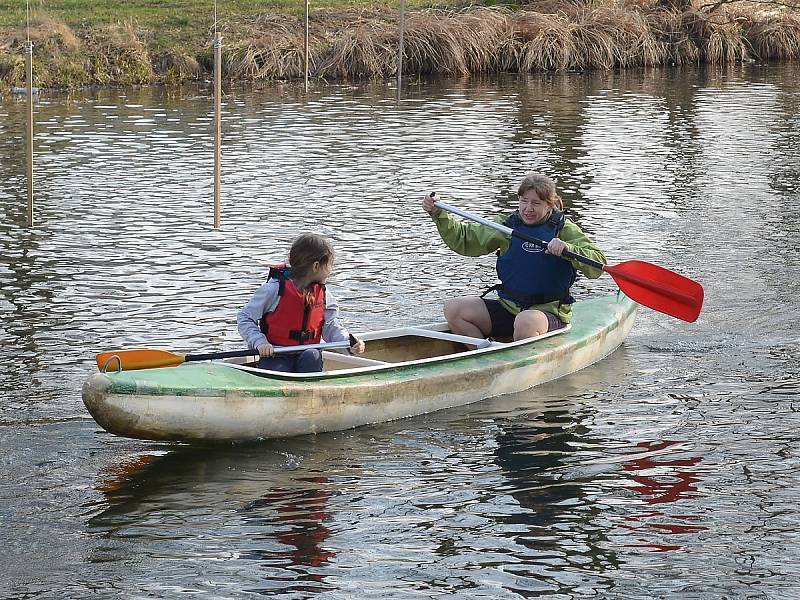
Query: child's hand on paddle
{"type": "Point", "coordinates": [356, 345]}
{"type": "Point", "coordinates": [265, 349]}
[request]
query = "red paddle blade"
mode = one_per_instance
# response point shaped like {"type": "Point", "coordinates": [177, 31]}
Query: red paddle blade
{"type": "Point", "coordinates": [659, 288]}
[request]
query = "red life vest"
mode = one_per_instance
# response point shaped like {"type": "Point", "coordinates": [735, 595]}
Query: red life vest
{"type": "Point", "coordinates": [292, 322]}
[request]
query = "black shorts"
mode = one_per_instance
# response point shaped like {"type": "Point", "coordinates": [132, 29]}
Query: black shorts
{"type": "Point", "coordinates": [503, 321]}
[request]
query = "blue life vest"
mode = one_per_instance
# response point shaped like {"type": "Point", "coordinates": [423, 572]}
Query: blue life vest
{"type": "Point", "coordinates": [527, 274]}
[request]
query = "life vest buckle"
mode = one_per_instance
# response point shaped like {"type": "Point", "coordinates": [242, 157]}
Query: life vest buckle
{"type": "Point", "coordinates": [302, 336]}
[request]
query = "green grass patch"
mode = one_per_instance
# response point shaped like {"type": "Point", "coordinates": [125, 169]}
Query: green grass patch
{"type": "Point", "coordinates": [187, 24]}
{"type": "Point", "coordinates": [190, 12]}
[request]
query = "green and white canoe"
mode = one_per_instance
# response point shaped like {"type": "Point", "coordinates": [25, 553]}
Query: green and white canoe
{"type": "Point", "coordinates": [405, 372]}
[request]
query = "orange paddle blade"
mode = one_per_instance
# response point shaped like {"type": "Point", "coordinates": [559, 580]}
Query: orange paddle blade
{"type": "Point", "coordinates": [659, 288]}
{"type": "Point", "coordinates": [130, 360]}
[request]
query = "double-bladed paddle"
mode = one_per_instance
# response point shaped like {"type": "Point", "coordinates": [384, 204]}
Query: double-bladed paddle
{"type": "Point", "coordinates": [132, 360]}
{"type": "Point", "coordinates": [650, 285]}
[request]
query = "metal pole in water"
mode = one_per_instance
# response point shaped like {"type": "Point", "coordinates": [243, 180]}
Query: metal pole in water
{"type": "Point", "coordinates": [305, 50]}
{"type": "Point", "coordinates": [217, 126]}
{"type": "Point", "coordinates": [400, 48]}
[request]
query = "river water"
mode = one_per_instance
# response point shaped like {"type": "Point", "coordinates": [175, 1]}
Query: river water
{"type": "Point", "coordinates": [669, 469]}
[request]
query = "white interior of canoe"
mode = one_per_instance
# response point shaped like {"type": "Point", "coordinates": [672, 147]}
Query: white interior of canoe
{"type": "Point", "coordinates": [391, 348]}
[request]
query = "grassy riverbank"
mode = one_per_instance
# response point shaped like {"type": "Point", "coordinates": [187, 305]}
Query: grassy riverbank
{"type": "Point", "coordinates": [91, 42]}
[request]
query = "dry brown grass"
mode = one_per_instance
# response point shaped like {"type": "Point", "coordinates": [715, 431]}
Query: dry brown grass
{"type": "Point", "coordinates": [56, 54]}
{"type": "Point", "coordinates": [719, 37]}
{"type": "Point", "coordinates": [116, 54]}
{"type": "Point", "coordinates": [677, 43]}
{"type": "Point", "coordinates": [12, 68]}
{"type": "Point", "coordinates": [177, 66]}
{"type": "Point", "coordinates": [265, 47]}
{"type": "Point", "coordinates": [547, 42]}
{"type": "Point", "coordinates": [366, 51]}
{"type": "Point", "coordinates": [432, 45]}
{"type": "Point", "coordinates": [479, 33]}
{"type": "Point", "coordinates": [776, 37]}
{"type": "Point", "coordinates": [624, 36]}
{"type": "Point", "coordinates": [45, 30]}
{"type": "Point", "coordinates": [362, 44]}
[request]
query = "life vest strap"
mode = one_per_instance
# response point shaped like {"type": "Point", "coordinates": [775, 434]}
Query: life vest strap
{"type": "Point", "coordinates": [302, 337]}
{"type": "Point", "coordinates": [280, 272]}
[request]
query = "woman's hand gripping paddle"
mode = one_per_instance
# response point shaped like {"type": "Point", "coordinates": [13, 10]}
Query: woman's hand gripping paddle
{"type": "Point", "coordinates": [650, 285]}
{"type": "Point", "coordinates": [132, 360]}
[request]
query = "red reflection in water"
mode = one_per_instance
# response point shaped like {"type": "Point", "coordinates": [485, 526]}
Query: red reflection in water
{"type": "Point", "coordinates": [305, 510]}
{"type": "Point", "coordinates": [676, 482]}
{"type": "Point", "coordinates": [657, 491]}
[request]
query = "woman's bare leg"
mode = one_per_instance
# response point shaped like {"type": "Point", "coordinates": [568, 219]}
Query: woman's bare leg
{"type": "Point", "coordinates": [530, 323]}
{"type": "Point", "coordinates": [468, 316]}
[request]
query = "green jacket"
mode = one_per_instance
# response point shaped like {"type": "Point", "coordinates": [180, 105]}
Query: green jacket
{"type": "Point", "coordinates": [473, 239]}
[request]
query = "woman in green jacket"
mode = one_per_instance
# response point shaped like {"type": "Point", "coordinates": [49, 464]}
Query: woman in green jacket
{"type": "Point", "coordinates": [533, 296]}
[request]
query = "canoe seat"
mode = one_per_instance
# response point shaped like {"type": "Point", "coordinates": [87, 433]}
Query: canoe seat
{"type": "Point", "coordinates": [452, 337]}
{"type": "Point", "coordinates": [349, 360]}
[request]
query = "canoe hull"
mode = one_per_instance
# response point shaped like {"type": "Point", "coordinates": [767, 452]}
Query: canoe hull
{"type": "Point", "coordinates": [216, 402]}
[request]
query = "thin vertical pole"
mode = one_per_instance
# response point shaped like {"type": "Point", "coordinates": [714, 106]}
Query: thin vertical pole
{"type": "Point", "coordinates": [217, 126]}
{"type": "Point", "coordinates": [29, 141]}
{"type": "Point", "coordinates": [305, 50]}
{"type": "Point", "coordinates": [29, 136]}
{"type": "Point", "coordinates": [400, 48]}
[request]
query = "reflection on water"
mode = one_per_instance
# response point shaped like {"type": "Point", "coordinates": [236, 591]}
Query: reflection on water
{"type": "Point", "coordinates": [557, 525]}
{"type": "Point", "coordinates": [533, 491]}
{"type": "Point", "coordinates": [304, 513]}
{"type": "Point", "coordinates": [276, 509]}
{"type": "Point", "coordinates": [659, 482]}
{"type": "Point", "coordinates": [666, 470]}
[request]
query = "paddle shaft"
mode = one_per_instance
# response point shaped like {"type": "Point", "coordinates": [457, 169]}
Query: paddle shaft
{"type": "Point", "coordinates": [275, 350]}
{"type": "Point", "coordinates": [523, 236]}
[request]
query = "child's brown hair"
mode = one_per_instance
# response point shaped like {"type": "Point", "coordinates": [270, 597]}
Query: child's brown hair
{"type": "Point", "coordinates": [307, 249]}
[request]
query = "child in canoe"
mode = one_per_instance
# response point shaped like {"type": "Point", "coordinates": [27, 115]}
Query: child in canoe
{"type": "Point", "coordinates": [294, 308]}
{"type": "Point", "coordinates": [534, 289]}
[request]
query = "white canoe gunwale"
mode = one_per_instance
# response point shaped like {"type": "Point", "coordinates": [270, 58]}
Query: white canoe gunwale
{"type": "Point", "coordinates": [226, 402]}
{"type": "Point", "coordinates": [365, 365]}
